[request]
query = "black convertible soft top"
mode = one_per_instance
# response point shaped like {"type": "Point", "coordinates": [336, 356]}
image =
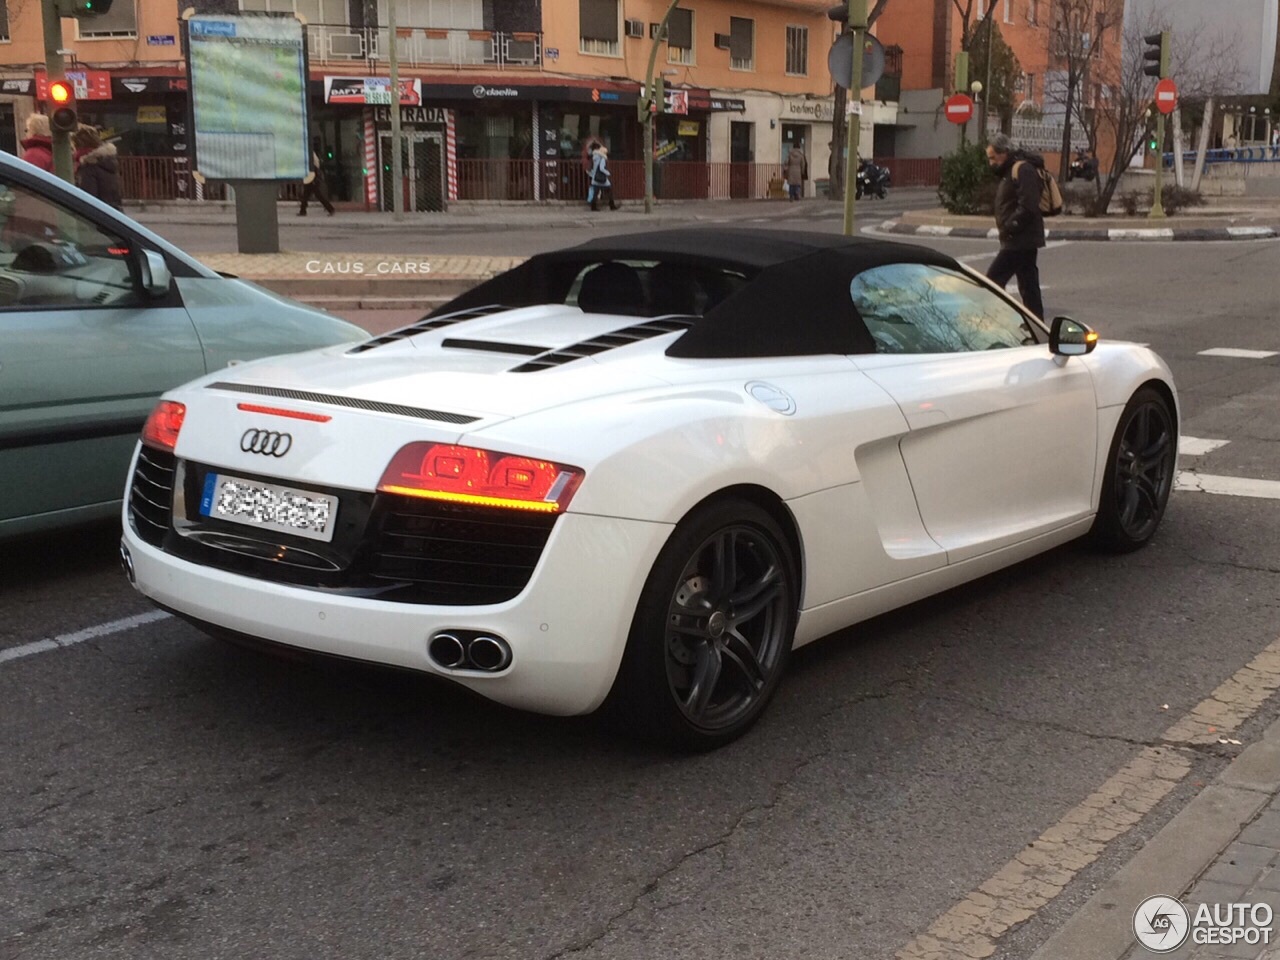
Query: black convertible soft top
{"type": "Point", "coordinates": [795, 300]}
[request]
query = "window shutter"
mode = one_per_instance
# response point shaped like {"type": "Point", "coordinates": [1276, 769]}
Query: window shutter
{"type": "Point", "coordinates": [740, 36]}
{"type": "Point", "coordinates": [599, 20]}
{"type": "Point", "coordinates": [680, 29]}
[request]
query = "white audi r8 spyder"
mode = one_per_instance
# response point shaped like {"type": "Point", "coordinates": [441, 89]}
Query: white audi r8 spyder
{"type": "Point", "coordinates": [638, 472]}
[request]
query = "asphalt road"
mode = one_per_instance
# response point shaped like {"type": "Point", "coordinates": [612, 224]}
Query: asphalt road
{"type": "Point", "coordinates": [165, 795]}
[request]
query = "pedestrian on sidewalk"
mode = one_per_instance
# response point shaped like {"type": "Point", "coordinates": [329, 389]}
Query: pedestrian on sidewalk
{"type": "Point", "coordinates": [1018, 219]}
{"type": "Point", "coordinates": [316, 185]}
{"type": "Point", "coordinates": [37, 145]}
{"type": "Point", "coordinates": [797, 170]}
{"type": "Point", "coordinates": [601, 178]}
{"type": "Point", "coordinates": [97, 167]}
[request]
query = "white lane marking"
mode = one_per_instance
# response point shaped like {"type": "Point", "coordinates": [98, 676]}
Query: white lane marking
{"type": "Point", "coordinates": [80, 636]}
{"type": "Point", "coordinates": [1237, 353]}
{"type": "Point", "coordinates": [1198, 447]}
{"type": "Point", "coordinates": [1228, 486]}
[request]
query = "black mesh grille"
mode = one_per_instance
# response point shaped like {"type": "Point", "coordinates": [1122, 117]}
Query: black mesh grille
{"type": "Point", "coordinates": [385, 547]}
{"type": "Point", "coordinates": [455, 554]}
{"type": "Point", "coordinates": [151, 495]}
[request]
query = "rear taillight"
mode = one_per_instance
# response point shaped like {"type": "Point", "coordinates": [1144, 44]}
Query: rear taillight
{"type": "Point", "coordinates": [162, 427]}
{"type": "Point", "coordinates": [442, 471]}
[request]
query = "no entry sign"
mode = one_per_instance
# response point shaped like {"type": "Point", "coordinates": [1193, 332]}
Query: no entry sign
{"type": "Point", "coordinates": [959, 109]}
{"type": "Point", "coordinates": [1166, 96]}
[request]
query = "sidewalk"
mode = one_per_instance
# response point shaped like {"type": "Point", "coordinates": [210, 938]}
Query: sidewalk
{"type": "Point", "coordinates": [1222, 848]}
{"type": "Point", "coordinates": [1238, 222]}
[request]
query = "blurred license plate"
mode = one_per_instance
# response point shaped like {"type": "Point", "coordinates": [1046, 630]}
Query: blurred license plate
{"type": "Point", "coordinates": [269, 507]}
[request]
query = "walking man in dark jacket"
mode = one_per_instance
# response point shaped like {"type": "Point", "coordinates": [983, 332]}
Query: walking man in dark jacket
{"type": "Point", "coordinates": [1018, 218]}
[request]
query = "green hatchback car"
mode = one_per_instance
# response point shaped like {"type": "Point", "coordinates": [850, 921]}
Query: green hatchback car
{"type": "Point", "coordinates": [98, 317]}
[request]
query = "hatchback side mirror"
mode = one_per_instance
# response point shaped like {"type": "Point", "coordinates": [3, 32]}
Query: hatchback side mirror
{"type": "Point", "coordinates": [1071, 338]}
{"type": "Point", "coordinates": [153, 273]}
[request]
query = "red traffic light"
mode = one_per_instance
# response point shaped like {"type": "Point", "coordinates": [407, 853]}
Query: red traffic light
{"type": "Point", "coordinates": [60, 91]}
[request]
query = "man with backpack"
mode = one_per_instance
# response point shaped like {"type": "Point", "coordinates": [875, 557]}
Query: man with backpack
{"type": "Point", "coordinates": [1026, 195]}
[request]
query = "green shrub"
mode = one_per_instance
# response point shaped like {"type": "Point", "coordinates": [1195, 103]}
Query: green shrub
{"type": "Point", "coordinates": [1129, 202]}
{"type": "Point", "coordinates": [966, 186]}
{"type": "Point", "coordinates": [1177, 198]}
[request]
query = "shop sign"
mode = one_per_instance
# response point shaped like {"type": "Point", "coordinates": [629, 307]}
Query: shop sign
{"type": "Point", "coordinates": [161, 40]}
{"type": "Point", "coordinates": [86, 84]}
{"type": "Point", "coordinates": [16, 86]}
{"type": "Point", "coordinates": [356, 90]}
{"type": "Point", "coordinates": [677, 101]}
{"type": "Point", "coordinates": [820, 110]}
{"type": "Point", "coordinates": [152, 115]}
{"type": "Point", "coordinates": [689, 128]}
{"type": "Point", "coordinates": [417, 115]}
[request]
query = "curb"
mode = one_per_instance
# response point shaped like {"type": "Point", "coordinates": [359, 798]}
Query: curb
{"type": "Point", "coordinates": [1166, 234]}
{"type": "Point", "coordinates": [1172, 860]}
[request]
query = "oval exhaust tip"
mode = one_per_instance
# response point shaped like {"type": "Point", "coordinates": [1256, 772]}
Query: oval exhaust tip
{"type": "Point", "coordinates": [447, 651]}
{"type": "Point", "coordinates": [489, 654]}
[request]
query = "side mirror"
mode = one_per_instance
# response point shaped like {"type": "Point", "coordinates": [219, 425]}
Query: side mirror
{"type": "Point", "coordinates": [1071, 338]}
{"type": "Point", "coordinates": [153, 273]}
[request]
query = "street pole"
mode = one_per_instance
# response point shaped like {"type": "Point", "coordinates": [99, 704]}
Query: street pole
{"type": "Point", "coordinates": [53, 68]}
{"type": "Point", "coordinates": [858, 25]}
{"type": "Point", "coordinates": [647, 103]}
{"type": "Point", "coordinates": [986, 100]}
{"type": "Point", "coordinates": [1157, 200]}
{"type": "Point", "coordinates": [961, 85]}
{"type": "Point", "coordinates": [397, 166]}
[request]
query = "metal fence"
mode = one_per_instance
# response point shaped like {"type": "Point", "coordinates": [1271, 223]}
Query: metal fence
{"type": "Point", "coordinates": [1258, 153]}
{"type": "Point", "coordinates": [168, 178]}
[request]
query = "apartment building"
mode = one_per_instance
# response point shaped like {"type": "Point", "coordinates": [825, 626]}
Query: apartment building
{"type": "Point", "coordinates": [930, 33]}
{"type": "Point", "coordinates": [499, 99]}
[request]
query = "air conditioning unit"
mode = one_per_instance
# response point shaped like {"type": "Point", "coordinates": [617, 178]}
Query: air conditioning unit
{"type": "Point", "coordinates": [653, 31]}
{"type": "Point", "coordinates": [635, 28]}
{"type": "Point", "coordinates": [723, 41]}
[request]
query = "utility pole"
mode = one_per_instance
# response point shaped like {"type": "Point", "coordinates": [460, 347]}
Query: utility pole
{"type": "Point", "coordinates": [397, 165]}
{"type": "Point", "coordinates": [53, 67]}
{"type": "Point", "coordinates": [858, 26]}
{"type": "Point", "coordinates": [648, 106]}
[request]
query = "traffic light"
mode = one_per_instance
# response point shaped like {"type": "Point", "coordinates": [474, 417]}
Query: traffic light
{"type": "Point", "coordinates": [62, 99]}
{"type": "Point", "coordinates": [1155, 56]}
{"type": "Point", "coordinates": [82, 8]}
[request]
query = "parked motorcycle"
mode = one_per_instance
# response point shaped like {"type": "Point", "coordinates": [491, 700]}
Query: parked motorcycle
{"type": "Point", "coordinates": [872, 179]}
{"type": "Point", "coordinates": [1083, 167]}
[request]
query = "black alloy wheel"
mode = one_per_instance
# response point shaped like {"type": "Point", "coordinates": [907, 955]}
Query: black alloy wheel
{"type": "Point", "coordinates": [1140, 473]}
{"type": "Point", "coordinates": [713, 629]}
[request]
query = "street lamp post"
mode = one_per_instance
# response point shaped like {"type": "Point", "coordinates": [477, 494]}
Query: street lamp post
{"type": "Point", "coordinates": [649, 106]}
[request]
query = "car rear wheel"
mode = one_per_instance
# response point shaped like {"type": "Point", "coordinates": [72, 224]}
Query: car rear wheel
{"type": "Point", "coordinates": [712, 632]}
{"type": "Point", "coordinates": [1141, 467]}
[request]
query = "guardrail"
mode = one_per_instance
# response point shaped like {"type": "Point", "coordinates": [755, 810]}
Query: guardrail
{"type": "Point", "coordinates": [1258, 153]}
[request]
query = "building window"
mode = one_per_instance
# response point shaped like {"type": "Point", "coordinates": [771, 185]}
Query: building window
{"type": "Point", "coordinates": [1029, 86]}
{"type": "Point", "coordinates": [599, 26]}
{"type": "Point", "coordinates": [798, 51]}
{"type": "Point", "coordinates": [315, 12]}
{"type": "Point", "coordinates": [742, 44]}
{"type": "Point", "coordinates": [439, 14]}
{"type": "Point", "coordinates": [120, 21]}
{"type": "Point", "coordinates": [4, 21]}
{"type": "Point", "coordinates": [1033, 12]}
{"type": "Point", "coordinates": [680, 37]}
{"type": "Point", "coordinates": [1008, 12]}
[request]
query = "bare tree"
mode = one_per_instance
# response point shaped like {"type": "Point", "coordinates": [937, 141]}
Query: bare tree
{"type": "Point", "coordinates": [1204, 70]}
{"type": "Point", "coordinates": [839, 121]}
{"type": "Point", "coordinates": [1078, 35]}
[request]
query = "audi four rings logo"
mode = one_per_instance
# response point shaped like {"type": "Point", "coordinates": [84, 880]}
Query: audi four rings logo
{"type": "Point", "coordinates": [269, 443]}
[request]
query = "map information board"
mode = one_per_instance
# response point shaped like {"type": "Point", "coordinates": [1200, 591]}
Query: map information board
{"type": "Point", "coordinates": [249, 97]}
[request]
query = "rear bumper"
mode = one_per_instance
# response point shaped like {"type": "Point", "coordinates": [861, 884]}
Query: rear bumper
{"type": "Point", "coordinates": [567, 629]}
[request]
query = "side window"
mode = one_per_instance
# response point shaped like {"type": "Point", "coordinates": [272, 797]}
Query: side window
{"type": "Point", "coordinates": [917, 308]}
{"type": "Point", "coordinates": [53, 257]}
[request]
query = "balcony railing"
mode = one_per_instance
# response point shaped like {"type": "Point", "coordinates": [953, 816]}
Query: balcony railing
{"type": "Point", "coordinates": [424, 46]}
